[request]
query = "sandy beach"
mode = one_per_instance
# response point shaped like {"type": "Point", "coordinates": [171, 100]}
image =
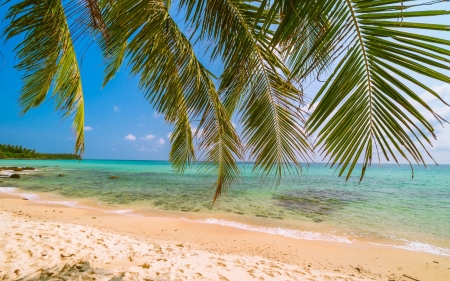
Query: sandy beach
{"type": "Point", "coordinates": [56, 242]}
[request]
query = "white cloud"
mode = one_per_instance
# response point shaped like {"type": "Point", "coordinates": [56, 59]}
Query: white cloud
{"type": "Point", "coordinates": [148, 137]}
{"type": "Point", "coordinates": [141, 125]}
{"type": "Point", "coordinates": [156, 114]}
{"type": "Point", "coordinates": [160, 142]}
{"type": "Point", "coordinates": [114, 149]}
{"type": "Point", "coordinates": [130, 137]}
{"type": "Point", "coordinates": [169, 135]}
{"type": "Point", "coordinates": [194, 131]}
{"type": "Point", "coordinates": [142, 148]}
{"type": "Point", "coordinates": [443, 89]}
{"type": "Point", "coordinates": [88, 128]}
{"type": "Point", "coordinates": [116, 108]}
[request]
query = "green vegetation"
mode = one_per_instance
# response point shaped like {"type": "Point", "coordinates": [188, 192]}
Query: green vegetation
{"type": "Point", "coordinates": [371, 55]}
{"type": "Point", "coordinates": [18, 152]}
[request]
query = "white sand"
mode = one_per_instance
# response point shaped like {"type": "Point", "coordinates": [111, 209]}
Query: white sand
{"type": "Point", "coordinates": [35, 250]}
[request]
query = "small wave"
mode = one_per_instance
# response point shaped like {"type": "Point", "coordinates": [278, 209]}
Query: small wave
{"type": "Point", "coordinates": [8, 190]}
{"type": "Point", "coordinates": [35, 198]}
{"type": "Point", "coordinates": [297, 234]}
{"type": "Point", "coordinates": [73, 204]}
{"type": "Point", "coordinates": [420, 247]}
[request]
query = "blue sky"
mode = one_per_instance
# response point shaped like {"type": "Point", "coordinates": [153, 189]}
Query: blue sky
{"type": "Point", "coordinates": [120, 123]}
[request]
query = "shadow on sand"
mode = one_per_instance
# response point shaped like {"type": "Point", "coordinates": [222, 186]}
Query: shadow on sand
{"type": "Point", "coordinates": [70, 272]}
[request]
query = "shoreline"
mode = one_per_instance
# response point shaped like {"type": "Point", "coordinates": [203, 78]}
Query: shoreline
{"type": "Point", "coordinates": [309, 232]}
{"type": "Point", "coordinates": [357, 260]}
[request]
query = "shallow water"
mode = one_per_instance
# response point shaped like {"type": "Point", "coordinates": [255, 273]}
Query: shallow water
{"type": "Point", "coordinates": [388, 207]}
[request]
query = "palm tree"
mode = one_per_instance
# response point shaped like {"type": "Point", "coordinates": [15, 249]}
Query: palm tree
{"type": "Point", "coordinates": [370, 52]}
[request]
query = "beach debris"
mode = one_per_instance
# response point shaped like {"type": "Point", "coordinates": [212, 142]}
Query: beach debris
{"type": "Point", "coordinates": [412, 278]}
{"type": "Point", "coordinates": [67, 256]}
{"type": "Point", "coordinates": [114, 177]}
{"type": "Point", "coordinates": [318, 220]}
{"type": "Point", "coordinates": [435, 261]}
{"type": "Point", "coordinates": [146, 266]}
{"type": "Point", "coordinates": [61, 175]}
{"type": "Point", "coordinates": [16, 272]}
{"type": "Point", "coordinates": [94, 217]}
{"type": "Point", "coordinates": [18, 170]}
{"type": "Point", "coordinates": [24, 198]}
{"type": "Point", "coordinates": [15, 176]}
{"type": "Point", "coordinates": [357, 268]}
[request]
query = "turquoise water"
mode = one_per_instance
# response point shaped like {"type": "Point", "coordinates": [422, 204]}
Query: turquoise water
{"type": "Point", "coordinates": [388, 207]}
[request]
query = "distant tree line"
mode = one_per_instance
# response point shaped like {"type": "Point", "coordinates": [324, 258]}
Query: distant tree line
{"type": "Point", "coordinates": [8, 151]}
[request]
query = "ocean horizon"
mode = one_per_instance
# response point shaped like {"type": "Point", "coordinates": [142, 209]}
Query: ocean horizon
{"type": "Point", "coordinates": [388, 207]}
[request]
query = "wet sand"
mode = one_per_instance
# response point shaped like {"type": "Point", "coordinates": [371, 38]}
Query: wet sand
{"type": "Point", "coordinates": [38, 240]}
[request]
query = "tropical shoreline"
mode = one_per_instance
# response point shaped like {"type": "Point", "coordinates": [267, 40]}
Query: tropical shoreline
{"type": "Point", "coordinates": [355, 261]}
{"type": "Point", "coordinates": [329, 213]}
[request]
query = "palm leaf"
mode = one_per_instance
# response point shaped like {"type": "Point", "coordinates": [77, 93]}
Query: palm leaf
{"type": "Point", "coordinates": [254, 83]}
{"type": "Point", "coordinates": [86, 21]}
{"type": "Point", "coordinates": [47, 59]}
{"type": "Point", "coordinates": [175, 82]}
{"type": "Point", "coordinates": [365, 104]}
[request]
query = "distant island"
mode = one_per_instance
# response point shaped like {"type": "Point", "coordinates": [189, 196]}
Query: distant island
{"type": "Point", "coordinates": [8, 151]}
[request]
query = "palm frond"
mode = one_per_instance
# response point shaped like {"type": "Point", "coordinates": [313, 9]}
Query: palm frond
{"type": "Point", "coordinates": [47, 59]}
{"type": "Point", "coordinates": [87, 20]}
{"type": "Point", "coordinates": [365, 105]}
{"type": "Point", "coordinates": [175, 82]}
{"type": "Point", "coordinates": [299, 36]}
{"type": "Point", "coordinates": [254, 84]}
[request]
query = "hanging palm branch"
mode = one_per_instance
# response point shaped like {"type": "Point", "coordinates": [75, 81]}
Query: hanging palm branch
{"type": "Point", "coordinates": [254, 83]}
{"type": "Point", "coordinates": [175, 82]}
{"type": "Point", "coordinates": [47, 59]}
{"type": "Point", "coordinates": [365, 105]}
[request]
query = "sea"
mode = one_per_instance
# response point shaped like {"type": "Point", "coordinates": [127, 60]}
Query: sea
{"type": "Point", "coordinates": [388, 207]}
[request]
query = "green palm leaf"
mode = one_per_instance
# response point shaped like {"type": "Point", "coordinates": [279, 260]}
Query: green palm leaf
{"type": "Point", "coordinates": [175, 82]}
{"type": "Point", "coordinates": [254, 83]}
{"type": "Point", "coordinates": [365, 104]}
{"type": "Point", "coordinates": [47, 59]}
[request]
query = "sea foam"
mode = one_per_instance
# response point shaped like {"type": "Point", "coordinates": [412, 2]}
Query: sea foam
{"type": "Point", "coordinates": [297, 234]}
{"type": "Point", "coordinates": [73, 204]}
{"type": "Point", "coordinates": [420, 247]}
